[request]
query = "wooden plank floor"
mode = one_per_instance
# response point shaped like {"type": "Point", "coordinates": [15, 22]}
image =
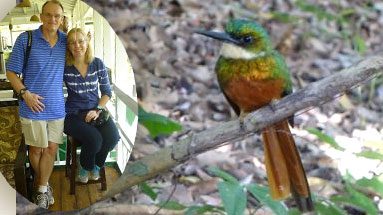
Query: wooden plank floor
{"type": "Point", "coordinates": [85, 194]}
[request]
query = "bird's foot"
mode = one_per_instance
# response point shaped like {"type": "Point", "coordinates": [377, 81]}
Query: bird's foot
{"type": "Point", "coordinates": [241, 125]}
{"type": "Point", "coordinates": [272, 105]}
{"type": "Point", "coordinates": [242, 116]}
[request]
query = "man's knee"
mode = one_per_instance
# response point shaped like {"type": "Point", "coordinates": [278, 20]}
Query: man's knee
{"type": "Point", "coordinates": [35, 151]}
{"type": "Point", "coordinates": [51, 149]}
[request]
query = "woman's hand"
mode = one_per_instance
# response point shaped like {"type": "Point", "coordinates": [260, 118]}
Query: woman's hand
{"type": "Point", "coordinates": [91, 115]}
{"type": "Point", "coordinates": [34, 101]}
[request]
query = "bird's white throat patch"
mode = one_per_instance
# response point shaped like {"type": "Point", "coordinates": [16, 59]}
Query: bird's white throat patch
{"type": "Point", "coordinates": [235, 52]}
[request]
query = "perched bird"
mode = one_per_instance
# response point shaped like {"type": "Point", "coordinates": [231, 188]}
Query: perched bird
{"type": "Point", "coordinates": [252, 74]}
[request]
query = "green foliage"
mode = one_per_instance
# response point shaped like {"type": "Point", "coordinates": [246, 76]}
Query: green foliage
{"type": "Point", "coordinates": [359, 44]}
{"type": "Point", "coordinates": [172, 205]}
{"type": "Point", "coordinates": [322, 207]}
{"type": "Point", "coordinates": [157, 124]}
{"type": "Point", "coordinates": [351, 195]}
{"type": "Point", "coordinates": [149, 191]}
{"type": "Point", "coordinates": [321, 13]}
{"type": "Point", "coordinates": [371, 155]}
{"type": "Point", "coordinates": [233, 197]}
{"type": "Point", "coordinates": [222, 174]}
{"type": "Point", "coordinates": [293, 211]}
{"type": "Point", "coordinates": [194, 210]}
{"type": "Point", "coordinates": [262, 194]}
{"type": "Point", "coordinates": [232, 194]}
{"type": "Point", "coordinates": [284, 17]}
{"type": "Point", "coordinates": [375, 184]}
{"type": "Point", "coordinates": [325, 138]}
{"type": "Point", "coordinates": [357, 199]}
{"type": "Point", "coordinates": [344, 13]}
{"type": "Point", "coordinates": [327, 207]}
{"type": "Point", "coordinates": [341, 16]}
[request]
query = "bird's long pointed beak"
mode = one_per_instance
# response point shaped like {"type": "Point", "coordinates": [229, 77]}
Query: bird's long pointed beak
{"type": "Point", "coordinates": [221, 36]}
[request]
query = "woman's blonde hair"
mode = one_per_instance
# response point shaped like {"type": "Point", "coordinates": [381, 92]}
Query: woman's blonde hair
{"type": "Point", "coordinates": [89, 52]}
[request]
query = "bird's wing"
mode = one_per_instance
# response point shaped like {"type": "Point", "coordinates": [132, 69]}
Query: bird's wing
{"type": "Point", "coordinates": [291, 118]}
{"type": "Point", "coordinates": [284, 71]}
{"type": "Point", "coordinates": [232, 104]}
{"type": "Point", "coordinates": [221, 86]}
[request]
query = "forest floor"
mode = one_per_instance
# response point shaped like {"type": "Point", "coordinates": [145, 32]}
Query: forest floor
{"type": "Point", "coordinates": [174, 70]}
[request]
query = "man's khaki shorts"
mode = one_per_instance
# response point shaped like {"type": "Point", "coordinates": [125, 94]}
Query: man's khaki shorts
{"type": "Point", "coordinates": [38, 132]}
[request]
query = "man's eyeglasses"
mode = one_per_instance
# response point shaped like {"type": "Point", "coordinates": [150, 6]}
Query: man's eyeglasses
{"type": "Point", "coordinates": [49, 16]}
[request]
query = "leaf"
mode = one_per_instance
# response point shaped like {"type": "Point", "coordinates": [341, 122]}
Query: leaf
{"type": "Point", "coordinates": [233, 197]}
{"type": "Point", "coordinates": [316, 10]}
{"type": "Point", "coordinates": [359, 44]}
{"type": "Point", "coordinates": [284, 17]}
{"type": "Point", "coordinates": [262, 194]}
{"type": "Point", "coordinates": [375, 183]}
{"type": "Point", "coordinates": [325, 138]}
{"type": "Point", "coordinates": [145, 188]}
{"type": "Point", "coordinates": [326, 207]}
{"type": "Point", "coordinates": [294, 211]}
{"type": "Point", "coordinates": [347, 12]}
{"type": "Point", "coordinates": [157, 124]}
{"type": "Point", "coordinates": [371, 155]}
{"type": "Point", "coordinates": [194, 210]}
{"type": "Point", "coordinates": [172, 205]}
{"type": "Point", "coordinates": [357, 199]}
{"type": "Point", "coordinates": [222, 174]}
{"type": "Point", "coordinates": [363, 201]}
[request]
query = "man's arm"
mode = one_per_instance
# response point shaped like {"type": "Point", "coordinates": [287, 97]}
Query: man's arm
{"type": "Point", "coordinates": [15, 81]}
{"type": "Point", "coordinates": [32, 100]}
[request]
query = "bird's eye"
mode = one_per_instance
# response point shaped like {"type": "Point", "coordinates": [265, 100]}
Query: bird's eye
{"type": "Point", "coordinates": [247, 39]}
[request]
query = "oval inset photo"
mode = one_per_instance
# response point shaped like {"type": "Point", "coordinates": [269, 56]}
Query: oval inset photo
{"type": "Point", "coordinates": [68, 103]}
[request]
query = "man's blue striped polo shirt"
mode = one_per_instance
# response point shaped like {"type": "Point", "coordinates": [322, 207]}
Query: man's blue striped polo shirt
{"type": "Point", "coordinates": [43, 74]}
{"type": "Point", "coordinates": [83, 92]}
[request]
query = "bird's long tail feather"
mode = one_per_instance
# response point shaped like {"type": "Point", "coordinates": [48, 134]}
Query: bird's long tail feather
{"type": "Point", "coordinates": [276, 169]}
{"type": "Point", "coordinates": [284, 167]}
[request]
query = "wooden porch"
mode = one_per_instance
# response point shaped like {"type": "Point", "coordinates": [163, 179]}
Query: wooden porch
{"type": "Point", "coordinates": [85, 194]}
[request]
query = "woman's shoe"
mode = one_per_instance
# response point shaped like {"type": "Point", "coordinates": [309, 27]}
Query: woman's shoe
{"type": "Point", "coordinates": [82, 175]}
{"type": "Point", "coordinates": [95, 173]}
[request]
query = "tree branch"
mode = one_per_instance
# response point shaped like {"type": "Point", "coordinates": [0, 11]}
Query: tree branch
{"type": "Point", "coordinates": [313, 95]}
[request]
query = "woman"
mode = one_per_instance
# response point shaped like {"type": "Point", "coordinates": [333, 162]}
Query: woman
{"type": "Point", "coordinates": [83, 76]}
{"type": "Point", "coordinates": [64, 25]}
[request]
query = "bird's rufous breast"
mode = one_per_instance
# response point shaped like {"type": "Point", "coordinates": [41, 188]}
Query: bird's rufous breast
{"type": "Point", "coordinates": [249, 94]}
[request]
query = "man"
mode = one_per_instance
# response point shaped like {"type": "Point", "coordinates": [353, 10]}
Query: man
{"type": "Point", "coordinates": [41, 96]}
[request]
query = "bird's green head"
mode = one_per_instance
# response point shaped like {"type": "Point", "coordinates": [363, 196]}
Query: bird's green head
{"type": "Point", "coordinates": [250, 35]}
{"type": "Point", "coordinates": [242, 38]}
